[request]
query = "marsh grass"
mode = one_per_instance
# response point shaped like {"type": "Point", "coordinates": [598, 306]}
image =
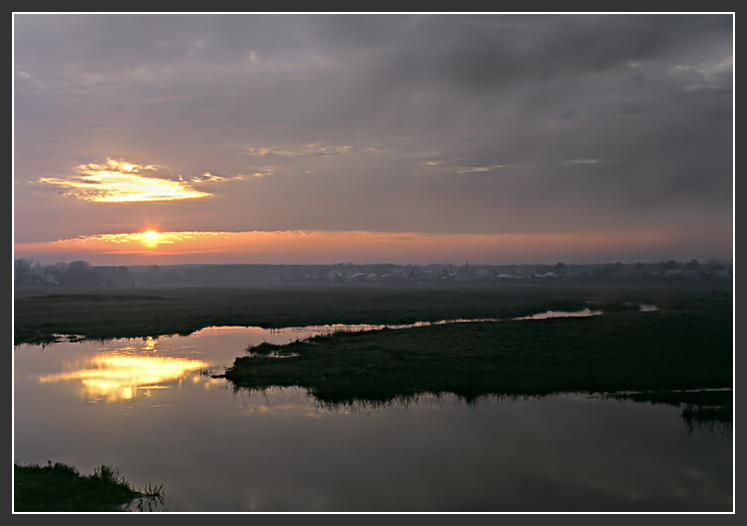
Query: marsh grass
{"type": "Point", "coordinates": [712, 411]}
{"type": "Point", "coordinates": [713, 420]}
{"type": "Point", "coordinates": [61, 488]}
{"type": "Point", "coordinates": [264, 349]}
{"type": "Point", "coordinates": [621, 350]}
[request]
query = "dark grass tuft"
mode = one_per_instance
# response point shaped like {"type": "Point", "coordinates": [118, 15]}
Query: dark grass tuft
{"type": "Point", "coordinates": [58, 488]}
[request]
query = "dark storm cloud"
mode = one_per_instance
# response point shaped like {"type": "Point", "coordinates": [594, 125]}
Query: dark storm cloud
{"type": "Point", "coordinates": [475, 52]}
{"type": "Point", "coordinates": [401, 122]}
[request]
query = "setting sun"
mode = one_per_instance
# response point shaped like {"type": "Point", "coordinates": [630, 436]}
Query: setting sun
{"type": "Point", "coordinates": [151, 238]}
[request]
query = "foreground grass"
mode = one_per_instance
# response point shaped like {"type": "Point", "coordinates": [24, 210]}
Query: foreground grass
{"type": "Point", "coordinates": [687, 347]}
{"type": "Point", "coordinates": [59, 487]}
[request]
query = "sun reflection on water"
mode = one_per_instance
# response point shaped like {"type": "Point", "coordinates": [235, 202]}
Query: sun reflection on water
{"type": "Point", "coordinates": [119, 377]}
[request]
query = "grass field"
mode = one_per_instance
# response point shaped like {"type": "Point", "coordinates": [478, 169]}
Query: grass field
{"type": "Point", "coordinates": [41, 313]}
{"type": "Point", "coordinates": [59, 488]}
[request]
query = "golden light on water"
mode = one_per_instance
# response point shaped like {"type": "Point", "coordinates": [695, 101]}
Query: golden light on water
{"type": "Point", "coordinates": [149, 344]}
{"type": "Point", "coordinates": [122, 182]}
{"type": "Point", "coordinates": [120, 377]}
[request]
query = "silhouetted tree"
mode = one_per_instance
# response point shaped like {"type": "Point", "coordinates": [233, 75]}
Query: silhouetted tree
{"type": "Point", "coordinates": [605, 272]}
{"type": "Point", "coordinates": [77, 273]}
{"type": "Point", "coordinates": [560, 268]}
{"type": "Point", "coordinates": [21, 266]}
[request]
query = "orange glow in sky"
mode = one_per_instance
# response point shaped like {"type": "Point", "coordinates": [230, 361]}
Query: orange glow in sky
{"type": "Point", "coordinates": [333, 246]}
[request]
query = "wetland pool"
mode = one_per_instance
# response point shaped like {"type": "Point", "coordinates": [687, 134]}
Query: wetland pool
{"type": "Point", "coordinates": [148, 408]}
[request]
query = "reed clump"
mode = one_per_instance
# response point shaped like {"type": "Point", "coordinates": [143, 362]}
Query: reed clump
{"type": "Point", "coordinates": [58, 487]}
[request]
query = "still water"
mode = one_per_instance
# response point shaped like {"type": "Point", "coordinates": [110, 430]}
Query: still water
{"type": "Point", "coordinates": [148, 408]}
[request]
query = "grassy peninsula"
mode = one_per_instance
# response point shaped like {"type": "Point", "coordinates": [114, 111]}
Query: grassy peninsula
{"type": "Point", "coordinates": [624, 350]}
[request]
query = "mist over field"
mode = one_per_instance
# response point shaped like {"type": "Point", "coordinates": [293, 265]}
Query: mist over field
{"type": "Point", "coordinates": [30, 274]}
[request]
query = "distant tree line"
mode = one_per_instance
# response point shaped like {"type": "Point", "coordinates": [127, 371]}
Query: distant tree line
{"type": "Point", "coordinates": [28, 272]}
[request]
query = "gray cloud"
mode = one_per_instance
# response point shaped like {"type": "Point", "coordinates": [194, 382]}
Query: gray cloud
{"type": "Point", "coordinates": [400, 122]}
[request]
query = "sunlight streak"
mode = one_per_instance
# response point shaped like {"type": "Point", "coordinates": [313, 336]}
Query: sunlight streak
{"type": "Point", "coordinates": [122, 182]}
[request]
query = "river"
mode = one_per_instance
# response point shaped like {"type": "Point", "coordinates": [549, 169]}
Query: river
{"type": "Point", "coordinates": [150, 408]}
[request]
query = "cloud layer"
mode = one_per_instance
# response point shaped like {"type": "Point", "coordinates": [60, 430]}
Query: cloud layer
{"type": "Point", "coordinates": [475, 124]}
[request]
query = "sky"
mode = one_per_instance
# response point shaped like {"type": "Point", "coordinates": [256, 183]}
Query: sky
{"type": "Point", "coordinates": [373, 138]}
